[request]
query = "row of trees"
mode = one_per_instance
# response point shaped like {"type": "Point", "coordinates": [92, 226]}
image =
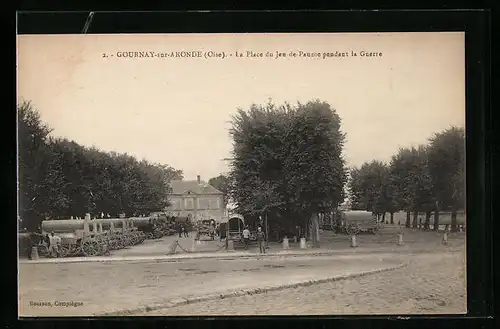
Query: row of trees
{"type": "Point", "coordinates": [287, 163]}
{"type": "Point", "coordinates": [424, 179]}
{"type": "Point", "coordinates": [60, 178]}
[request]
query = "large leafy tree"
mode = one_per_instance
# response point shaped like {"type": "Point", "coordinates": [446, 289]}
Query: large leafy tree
{"type": "Point", "coordinates": [421, 189]}
{"type": "Point", "coordinates": [402, 180]}
{"type": "Point", "coordinates": [288, 161]}
{"type": "Point", "coordinates": [446, 162]}
{"type": "Point", "coordinates": [371, 188]}
{"type": "Point", "coordinates": [39, 181]}
{"type": "Point", "coordinates": [60, 178]}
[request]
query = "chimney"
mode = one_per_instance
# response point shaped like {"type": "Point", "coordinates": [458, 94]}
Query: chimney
{"type": "Point", "coordinates": [198, 179]}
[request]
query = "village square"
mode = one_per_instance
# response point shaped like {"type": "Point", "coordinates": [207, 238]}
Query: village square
{"type": "Point", "coordinates": [270, 192]}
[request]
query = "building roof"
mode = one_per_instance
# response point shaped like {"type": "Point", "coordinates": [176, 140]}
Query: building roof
{"type": "Point", "coordinates": [183, 186]}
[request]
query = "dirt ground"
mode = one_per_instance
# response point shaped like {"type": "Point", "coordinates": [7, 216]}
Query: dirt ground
{"type": "Point", "coordinates": [431, 284]}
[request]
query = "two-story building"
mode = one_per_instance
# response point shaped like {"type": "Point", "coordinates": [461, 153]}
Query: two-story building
{"type": "Point", "coordinates": [197, 198]}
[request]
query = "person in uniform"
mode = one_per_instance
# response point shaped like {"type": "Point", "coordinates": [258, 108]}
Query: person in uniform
{"type": "Point", "coordinates": [261, 240]}
{"type": "Point", "coordinates": [246, 237]}
{"type": "Point", "coordinates": [54, 242]}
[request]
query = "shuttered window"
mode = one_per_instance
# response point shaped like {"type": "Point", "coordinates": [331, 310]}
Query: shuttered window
{"type": "Point", "coordinates": [188, 204]}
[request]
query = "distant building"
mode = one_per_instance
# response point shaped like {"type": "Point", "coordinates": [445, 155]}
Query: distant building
{"type": "Point", "coordinates": [196, 198]}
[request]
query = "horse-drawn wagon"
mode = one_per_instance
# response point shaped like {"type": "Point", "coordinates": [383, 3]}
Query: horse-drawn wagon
{"type": "Point", "coordinates": [205, 227]}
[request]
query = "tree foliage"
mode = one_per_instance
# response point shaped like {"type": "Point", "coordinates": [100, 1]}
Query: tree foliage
{"type": "Point", "coordinates": [287, 160]}
{"type": "Point", "coordinates": [60, 178]}
{"type": "Point", "coordinates": [447, 167]}
{"type": "Point", "coordinates": [222, 184]}
{"type": "Point", "coordinates": [418, 179]}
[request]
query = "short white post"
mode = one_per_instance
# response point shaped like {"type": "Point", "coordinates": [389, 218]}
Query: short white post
{"type": "Point", "coordinates": [353, 241]}
{"type": "Point", "coordinates": [100, 227]}
{"type": "Point", "coordinates": [286, 245]}
{"type": "Point", "coordinates": [94, 225]}
{"type": "Point", "coordinates": [303, 244]}
{"type": "Point", "coordinates": [112, 226]}
{"type": "Point", "coordinates": [230, 245]}
{"type": "Point", "coordinates": [400, 239]}
{"type": "Point", "coordinates": [71, 217]}
{"type": "Point", "coordinates": [445, 238]}
{"type": "Point", "coordinates": [193, 247]}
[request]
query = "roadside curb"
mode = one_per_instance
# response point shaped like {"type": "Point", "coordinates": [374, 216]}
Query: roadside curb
{"type": "Point", "coordinates": [229, 256]}
{"type": "Point", "coordinates": [192, 300]}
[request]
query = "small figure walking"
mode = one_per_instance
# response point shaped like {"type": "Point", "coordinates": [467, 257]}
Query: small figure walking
{"type": "Point", "coordinates": [260, 240]}
{"type": "Point", "coordinates": [179, 230]}
{"type": "Point", "coordinates": [186, 233]}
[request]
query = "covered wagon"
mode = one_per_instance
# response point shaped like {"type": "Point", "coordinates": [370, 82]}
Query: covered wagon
{"type": "Point", "coordinates": [356, 221]}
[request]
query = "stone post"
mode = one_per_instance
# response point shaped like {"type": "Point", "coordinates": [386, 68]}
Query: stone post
{"type": "Point", "coordinates": [400, 239]}
{"type": "Point", "coordinates": [286, 245]}
{"type": "Point", "coordinates": [303, 244]}
{"type": "Point", "coordinates": [230, 245]}
{"type": "Point", "coordinates": [353, 241]}
{"type": "Point", "coordinates": [445, 238]}
{"type": "Point", "coordinates": [34, 253]}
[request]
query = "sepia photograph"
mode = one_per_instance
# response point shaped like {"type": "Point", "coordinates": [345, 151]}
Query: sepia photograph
{"type": "Point", "coordinates": [246, 174]}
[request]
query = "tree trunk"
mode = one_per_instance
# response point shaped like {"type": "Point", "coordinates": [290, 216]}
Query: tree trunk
{"type": "Point", "coordinates": [392, 218]}
{"type": "Point", "coordinates": [314, 232]}
{"type": "Point", "coordinates": [383, 217]}
{"type": "Point", "coordinates": [415, 219]}
{"type": "Point", "coordinates": [427, 220]}
{"type": "Point", "coordinates": [436, 220]}
{"type": "Point", "coordinates": [408, 218]}
{"type": "Point", "coordinates": [454, 227]}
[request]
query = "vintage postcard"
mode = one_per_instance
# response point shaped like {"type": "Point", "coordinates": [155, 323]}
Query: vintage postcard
{"type": "Point", "coordinates": [241, 174]}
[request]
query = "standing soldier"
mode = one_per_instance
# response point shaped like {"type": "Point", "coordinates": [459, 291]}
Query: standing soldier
{"type": "Point", "coordinates": [54, 242]}
{"type": "Point", "coordinates": [260, 240]}
{"type": "Point", "coordinates": [246, 237]}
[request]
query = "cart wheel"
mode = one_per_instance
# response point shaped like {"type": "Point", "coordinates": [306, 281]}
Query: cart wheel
{"type": "Point", "coordinates": [90, 248]}
{"type": "Point", "coordinates": [352, 229]}
{"type": "Point", "coordinates": [64, 250]}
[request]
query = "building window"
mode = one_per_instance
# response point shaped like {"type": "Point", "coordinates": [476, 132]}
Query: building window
{"type": "Point", "coordinates": [214, 204]}
{"type": "Point", "coordinates": [176, 204]}
{"type": "Point", "coordinates": [188, 204]}
{"type": "Point", "coordinates": [203, 204]}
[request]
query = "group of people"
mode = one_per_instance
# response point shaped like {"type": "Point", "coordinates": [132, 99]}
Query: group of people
{"type": "Point", "coordinates": [183, 232]}
{"type": "Point", "coordinates": [52, 242]}
{"type": "Point", "coordinates": [261, 239]}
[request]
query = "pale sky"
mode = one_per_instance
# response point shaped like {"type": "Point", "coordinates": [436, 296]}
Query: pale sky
{"type": "Point", "coordinates": [176, 111]}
